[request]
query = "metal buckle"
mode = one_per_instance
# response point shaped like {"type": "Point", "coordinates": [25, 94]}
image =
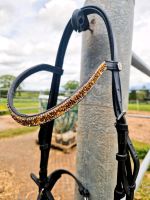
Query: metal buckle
{"type": "Point", "coordinates": [120, 66]}
{"type": "Point", "coordinates": [41, 192]}
{"type": "Point", "coordinates": [86, 198]}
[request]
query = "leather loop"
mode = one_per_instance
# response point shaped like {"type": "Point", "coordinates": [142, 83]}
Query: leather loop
{"type": "Point", "coordinates": [121, 127]}
{"type": "Point", "coordinates": [132, 187]}
{"type": "Point", "coordinates": [44, 146]}
{"type": "Point", "coordinates": [27, 73]}
{"type": "Point", "coordinates": [118, 194]}
{"type": "Point", "coordinates": [121, 157]}
{"type": "Point", "coordinates": [113, 66]}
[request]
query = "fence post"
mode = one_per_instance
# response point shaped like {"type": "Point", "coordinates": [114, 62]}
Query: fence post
{"type": "Point", "coordinates": [97, 146]}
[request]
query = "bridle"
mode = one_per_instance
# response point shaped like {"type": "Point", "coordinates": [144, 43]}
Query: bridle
{"type": "Point", "coordinates": [126, 174]}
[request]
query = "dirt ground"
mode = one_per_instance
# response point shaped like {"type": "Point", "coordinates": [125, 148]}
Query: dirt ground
{"type": "Point", "coordinates": [6, 122]}
{"type": "Point", "coordinates": [139, 128]}
{"type": "Point", "coordinates": [19, 157]}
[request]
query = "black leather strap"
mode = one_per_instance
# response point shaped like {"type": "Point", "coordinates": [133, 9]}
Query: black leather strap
{"type": "Point", "coordinates": [27, 73]}
{"type": "Point", "coordinates": [46, 129]}
{"type": "Point", "coordinates": [125, 176]}
{"type": "Point", "coordinates": [51, 181]}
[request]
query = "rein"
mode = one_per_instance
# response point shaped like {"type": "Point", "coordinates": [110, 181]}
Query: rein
{"type": "Point", "coordinates": [126, 175]}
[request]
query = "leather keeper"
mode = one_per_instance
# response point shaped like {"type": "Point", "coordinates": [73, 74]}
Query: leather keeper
{"type": "Point", "coordinates": [121, 127]}
{"type": "Point", "coordinates": [44, 146]}
{"type": "Point", "coordinates": [121, 157]}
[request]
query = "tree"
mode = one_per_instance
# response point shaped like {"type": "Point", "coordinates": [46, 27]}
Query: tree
{"type": "Point", "coordinates": [133, 95]}
{"type": "Point", "coordinates": [71, 85]}
{"type": "Point", "coordinates": [5, 83]}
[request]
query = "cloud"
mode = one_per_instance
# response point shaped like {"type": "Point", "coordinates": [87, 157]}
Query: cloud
{"type": "Point", "coordinates": [141, 39]}
{"type": "Point", "coordinates": [137, 77]}
{"type": "Point", "coordinates": [56, 13]}
{"type": "Point", "coordinates": [5, 59]}
{"type": "Point", "coordinates": [31, 31]}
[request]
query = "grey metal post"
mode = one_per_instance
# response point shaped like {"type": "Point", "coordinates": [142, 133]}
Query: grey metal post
{"type": "Point", "coordinates": [139, 64]}
{"type": "Point", "coordinates": [97, 145]}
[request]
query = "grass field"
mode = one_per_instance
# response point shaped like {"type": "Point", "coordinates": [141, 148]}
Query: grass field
{"type": "Point", "coordinates": [139, 107]}
{"type": "Point", "coordinates": [31, 105]}
{"type": "Point", "coordinates": [143, 192]}
{"type": "Point", "coordinates": [16, 132]}
{"type": "Point", "coordinates": [28, 105]}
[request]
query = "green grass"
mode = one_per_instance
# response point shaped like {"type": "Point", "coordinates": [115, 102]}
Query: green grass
{"type": "Point", "coordinates": [17, 131]}
{"type": "Point", "coordinates": [141, 148]}
{"type": "Point", "coordinates": [139, 107]}
{"type": "Point", "coordinates": [19, 103]}
{"type": "Point", "coordinates": [143, 192]}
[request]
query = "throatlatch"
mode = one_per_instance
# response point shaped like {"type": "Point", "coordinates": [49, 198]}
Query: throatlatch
{"type": "Point", "coordinates": [127, 174]}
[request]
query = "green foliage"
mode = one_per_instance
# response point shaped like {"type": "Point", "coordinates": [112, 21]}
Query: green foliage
{"type": "Point", "coordinates": [71, 85]}
{"type": "Point", "coordinates": [140, 95]}
{"type": "Point", "coordinates": [132, 95]}
{"type": "Point", "coordinates": [6, 81]}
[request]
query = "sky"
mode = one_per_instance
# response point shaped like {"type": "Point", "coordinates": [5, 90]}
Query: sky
{"type": "Point", "coordinates": [30, 31]}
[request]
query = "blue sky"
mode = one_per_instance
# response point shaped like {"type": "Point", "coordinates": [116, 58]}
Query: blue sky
{"type": "Point", "coordinates": [30, 31]}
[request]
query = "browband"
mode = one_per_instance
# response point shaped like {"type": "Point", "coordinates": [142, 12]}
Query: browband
{"type": "Point", "coordinates": [60, 109]}
{"type": "Point", "coordinates": [127, 174]}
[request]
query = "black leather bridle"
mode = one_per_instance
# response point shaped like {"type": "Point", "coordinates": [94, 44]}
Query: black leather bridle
{"type": "Point", "coordinates": [126, 175]}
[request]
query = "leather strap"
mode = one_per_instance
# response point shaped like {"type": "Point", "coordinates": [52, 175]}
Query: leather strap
{"type": "Point", "coordinates": [125, 176]}
{"type": "Point", "coordinates": [52, 180]}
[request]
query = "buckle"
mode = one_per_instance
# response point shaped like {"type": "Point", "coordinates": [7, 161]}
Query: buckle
{"type": "Point", "coordinates": [86, 198]}
{"type": "Point", "coordinates": [120, 66]}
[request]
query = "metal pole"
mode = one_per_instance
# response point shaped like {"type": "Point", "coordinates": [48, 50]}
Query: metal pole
{"type": "Point", "coordinates": [97, 145]}
{"type": "Point", "coordinates": [144, 166]}
{"type": "Point", "coordinates": [139, 64]}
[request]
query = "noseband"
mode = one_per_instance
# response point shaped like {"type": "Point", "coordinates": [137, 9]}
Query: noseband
{"type": "Point", "coordinates": [126, 175]}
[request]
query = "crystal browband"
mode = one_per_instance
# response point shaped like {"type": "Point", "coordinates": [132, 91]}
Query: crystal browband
{"type": "Point", "coordinates": [60, 109]}
{"type": "Point", "coordinates": [128, 162]}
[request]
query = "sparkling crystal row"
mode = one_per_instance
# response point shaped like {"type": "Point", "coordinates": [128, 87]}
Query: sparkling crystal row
{"type": "Point", "coordinates": [60, 109]}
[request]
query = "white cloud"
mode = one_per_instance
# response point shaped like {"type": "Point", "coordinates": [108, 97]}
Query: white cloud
{"type": "Point", "coordinates": [31, 30]}
{"type": "Point", "coordinates": [141, 39]}
{"type": "Point", "coordinates": [56, 13]}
